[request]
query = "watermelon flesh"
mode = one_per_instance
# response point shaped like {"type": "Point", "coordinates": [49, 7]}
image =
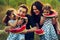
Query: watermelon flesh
{"type": "Point", "coordinates": [16, 30]}
{"type": "Point", "coordinates": [20, 15]}
{"type": "Point", "coordinates": [52, 15]}
{"type": "Point", "coordinates": [39, 31]}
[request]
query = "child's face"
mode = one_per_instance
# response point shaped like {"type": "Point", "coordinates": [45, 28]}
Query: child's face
{"type": "Point", "coordinates": [20, 22]}
{"type": "Point", "coordinates": [46, 11]}
{"type": "Point", "coordinates": [22, 11]}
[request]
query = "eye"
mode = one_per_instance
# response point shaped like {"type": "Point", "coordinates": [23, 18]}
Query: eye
{"type": "Point", "coordinates": [20, 10]}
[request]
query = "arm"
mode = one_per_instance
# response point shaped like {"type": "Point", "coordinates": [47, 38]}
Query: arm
{"type": "Point", "coordinates": [35, 25]}
{"type": "Point", "coordinates": [42, 20]}
{"type": "Point", "coordinates": [56, 23]}
{"type": "Point", "coordinates": [13, 24]}
{"type": "Point", "coordinates": [55, 19]}
{"type": "Point", "coordinates": [32, 29]}
{"type": "Point", "coordinates": [3, 19]}
{"type": "Point", "coordinates": [58, 26]}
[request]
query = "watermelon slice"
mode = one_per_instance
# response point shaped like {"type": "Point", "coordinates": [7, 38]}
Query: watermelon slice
{"type": "Point", "coordinates": [20, 15]}
{"type": "Point", "coordinates": [50, 15]}
{"type": "Point", "coordinates": [39, 31]}
{"type": "Point", "coordinates": [16, 30]}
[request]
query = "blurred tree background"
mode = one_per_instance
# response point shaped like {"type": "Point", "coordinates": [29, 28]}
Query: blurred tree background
{"type": "Point", "coordinates": [6, 4]}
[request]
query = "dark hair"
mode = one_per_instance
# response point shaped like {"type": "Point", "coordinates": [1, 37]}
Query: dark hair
{"type": "Point", "coordinates": [38, 5]}
{"type": "Point", "coordinates": [8, 13]}
{"type": "Point", "coordinates": [24, 20]}
{"type": "Point", "coordinates": [24, 6]}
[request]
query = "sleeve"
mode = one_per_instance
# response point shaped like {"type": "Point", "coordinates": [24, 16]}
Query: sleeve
{"type": "Point", "coordinates": [10, 21]}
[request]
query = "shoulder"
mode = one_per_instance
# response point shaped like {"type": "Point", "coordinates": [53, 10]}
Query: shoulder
{"type": "Point", "coordinates": [11, 21]}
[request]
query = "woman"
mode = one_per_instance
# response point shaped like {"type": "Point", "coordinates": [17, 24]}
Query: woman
{"type": "Point", "coordinates": [36, 12]}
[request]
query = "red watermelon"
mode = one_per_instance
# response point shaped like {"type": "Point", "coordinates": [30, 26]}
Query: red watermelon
{"type": "Point", "coordinates": [20, 15]}
{"type": "Point", "coordinates": [49, 15]}
{"type": "Point", "coordinates": [16, 30]}
{"type": "Point", "coordinates": [39, 31]}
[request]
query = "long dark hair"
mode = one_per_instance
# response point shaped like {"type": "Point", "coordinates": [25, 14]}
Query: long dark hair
{"type": "Point", "coordinates": [8, 13]}
{"type": "Point", "coordinates": [38, 5]}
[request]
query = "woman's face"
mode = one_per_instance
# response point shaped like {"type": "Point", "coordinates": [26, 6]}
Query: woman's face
{"type": "Point", "coordinates": [22, 11]}
{"type": "Point", "coordinates": [36, 11]}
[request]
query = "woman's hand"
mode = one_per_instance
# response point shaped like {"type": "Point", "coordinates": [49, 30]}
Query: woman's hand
{"type": "Point", "coordinates": [24, 32]}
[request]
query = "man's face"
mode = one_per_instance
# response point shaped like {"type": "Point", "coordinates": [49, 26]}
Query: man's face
{"type": "Point", "coordinates": [22, 11]}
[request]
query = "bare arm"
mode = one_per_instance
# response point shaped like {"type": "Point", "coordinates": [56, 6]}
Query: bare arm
{"type": "Point", "coordinates": [13, 24]}
{"type": "Point", "coordinates": [58, 26]}
{"type": "Point", "coordinates": [55, 19]}
{"type": "Point", "coordinates": [32, 29]}
{"type": "Point", "coordinates": [3, 19]}
{"type": "Point", "coordinates": [55, 22]}
{"type": "Point", "coordinates": [42, 20]}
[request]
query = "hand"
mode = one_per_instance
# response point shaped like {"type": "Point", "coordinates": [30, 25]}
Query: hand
{"type": "Point", "coordinates": [24, 32]}
{"type": "Point", "coordinates": [58, 31]}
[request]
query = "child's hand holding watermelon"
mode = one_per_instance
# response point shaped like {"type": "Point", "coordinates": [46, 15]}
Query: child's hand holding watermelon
{"type": "Point", "coordinates": [18, 30]}
{"type": "Point", "coordinates": [39, 31]}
